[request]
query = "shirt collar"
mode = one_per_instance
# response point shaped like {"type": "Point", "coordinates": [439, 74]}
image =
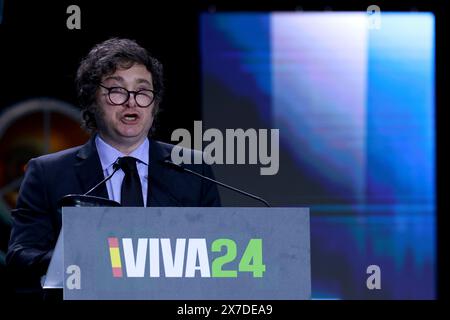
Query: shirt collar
{"type": "Point", "coordinates": [108, 154]}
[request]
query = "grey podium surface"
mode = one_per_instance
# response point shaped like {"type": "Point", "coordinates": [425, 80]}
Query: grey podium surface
{"type": "Point", "coordinates": [97, 240]}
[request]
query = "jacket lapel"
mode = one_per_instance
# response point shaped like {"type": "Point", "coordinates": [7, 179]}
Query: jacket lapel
{"type": "Point", "coordinates": [89, 169]}
{"type": "Point", "coordinates": [160, 181]}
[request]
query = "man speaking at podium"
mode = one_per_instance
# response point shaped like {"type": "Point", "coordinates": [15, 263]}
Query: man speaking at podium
{"type": "Point", "coordinates": [120, 88]}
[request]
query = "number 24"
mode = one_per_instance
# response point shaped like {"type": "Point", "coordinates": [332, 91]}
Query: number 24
{"type": "Point", "coordinates": [251, 260]}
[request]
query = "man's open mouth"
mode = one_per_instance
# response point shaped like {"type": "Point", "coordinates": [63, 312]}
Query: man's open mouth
{"type": "Point", "coordinates": [130, 117]}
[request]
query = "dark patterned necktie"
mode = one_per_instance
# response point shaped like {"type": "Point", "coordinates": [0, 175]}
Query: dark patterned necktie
{"type": "Point", "coordinates": [131, 191]}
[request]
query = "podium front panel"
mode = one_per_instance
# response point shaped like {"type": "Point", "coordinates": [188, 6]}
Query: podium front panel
{"type": "Point", "coordinates": [186, 253]}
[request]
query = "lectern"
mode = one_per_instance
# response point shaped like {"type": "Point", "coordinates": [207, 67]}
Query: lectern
{"type": "Point", "coordinates": [190, 253]}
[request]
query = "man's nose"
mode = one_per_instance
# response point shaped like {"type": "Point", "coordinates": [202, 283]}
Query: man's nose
{"type": "Point", "coordinates": [132, 100]}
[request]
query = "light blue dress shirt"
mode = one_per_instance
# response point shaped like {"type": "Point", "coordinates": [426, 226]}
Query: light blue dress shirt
{"type": "Point", "coordinates": [108, 155]}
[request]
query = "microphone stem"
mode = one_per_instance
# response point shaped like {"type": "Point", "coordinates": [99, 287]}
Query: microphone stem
{"type": "Point", "coordinates": [228, 186]}
{"type": "Point", "coordinates": [103, 181]}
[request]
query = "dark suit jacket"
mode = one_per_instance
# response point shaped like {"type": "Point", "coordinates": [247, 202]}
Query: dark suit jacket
{"type": "Point", "coordinates": [37, 221]}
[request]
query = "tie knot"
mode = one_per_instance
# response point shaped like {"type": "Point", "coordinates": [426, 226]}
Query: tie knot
{"type": "Point", "coordinates": [127, 164]}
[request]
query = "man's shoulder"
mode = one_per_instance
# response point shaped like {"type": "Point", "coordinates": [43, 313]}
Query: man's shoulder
{"type": "Point", "coordinates": [60, 157]}
{"type": "Point", "coordinates": [168, 148]}
{"type": "Point", "coordinates": [164, 145]}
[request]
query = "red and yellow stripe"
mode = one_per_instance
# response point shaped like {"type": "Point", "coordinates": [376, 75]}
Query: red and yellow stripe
{"type": "Point", "coordinates": [114, 253]}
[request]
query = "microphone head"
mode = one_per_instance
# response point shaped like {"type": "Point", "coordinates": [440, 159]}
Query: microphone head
{"type": "Point", "coordinates": [116, 164]}
{"type": "Point", "coordinates": [169, 163]}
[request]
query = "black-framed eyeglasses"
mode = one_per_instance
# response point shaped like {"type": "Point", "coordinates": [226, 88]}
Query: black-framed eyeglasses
{"type": "Point", "coordinates": [118, 95]}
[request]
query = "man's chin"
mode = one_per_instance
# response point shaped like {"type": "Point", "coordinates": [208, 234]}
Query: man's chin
{"type": "Point", "coordinates": [130, 137]}
{"type": "Point", "coordinates": [130, 133]}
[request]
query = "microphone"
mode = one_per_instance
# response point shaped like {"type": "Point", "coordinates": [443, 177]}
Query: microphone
{"type": "Point", "coordinates": [85, 200]}
{"type": "Point", "coordinates": [177, 167]}
{"type": "Point", "coordinates": [116, 167]}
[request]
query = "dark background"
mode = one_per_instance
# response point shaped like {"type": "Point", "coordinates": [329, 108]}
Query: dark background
{"type": "Point", "coordinates": [39, 57]}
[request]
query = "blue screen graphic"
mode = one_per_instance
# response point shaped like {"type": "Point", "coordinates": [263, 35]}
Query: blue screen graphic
{"type": "Point", "coordinates": [355, 109]}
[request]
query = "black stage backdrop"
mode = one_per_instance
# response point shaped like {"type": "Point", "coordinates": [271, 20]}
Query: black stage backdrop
{"type": "Point", "coordinates": [39, 56]}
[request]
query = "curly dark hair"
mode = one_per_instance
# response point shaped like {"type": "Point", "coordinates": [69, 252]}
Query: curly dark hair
{"type": "Point", "coordinates": [104, 59]}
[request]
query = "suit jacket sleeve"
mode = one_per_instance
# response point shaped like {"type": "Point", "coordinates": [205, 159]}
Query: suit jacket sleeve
{"type": "Point", "coordinates": [210, 193]}
{"type": "Point", "coordinates": [33, 231]}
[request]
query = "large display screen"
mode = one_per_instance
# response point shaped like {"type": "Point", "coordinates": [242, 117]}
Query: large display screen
{"type": "Point", "coordinates": [354, 102]}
